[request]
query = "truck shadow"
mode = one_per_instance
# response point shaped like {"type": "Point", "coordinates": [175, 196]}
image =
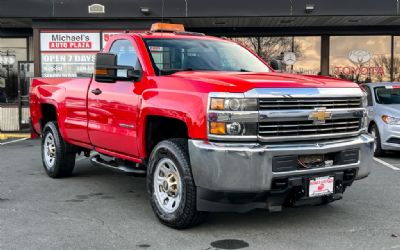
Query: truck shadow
{"type": "Point", "coordinates": [133, 190]}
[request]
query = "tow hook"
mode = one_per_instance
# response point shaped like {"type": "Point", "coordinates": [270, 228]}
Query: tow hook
{"type": "Point", "coordinates": [339, 187]}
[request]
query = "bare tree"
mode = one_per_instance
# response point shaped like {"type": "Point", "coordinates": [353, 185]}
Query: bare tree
{"type": "Point", "coordinates": [269, 48]}
{"type": "Point", "coordinates": [248, 42]}
{"type": "Point", "coordinates": [396, 69]}
{"type": "Point", "coordinates": [385, 62]}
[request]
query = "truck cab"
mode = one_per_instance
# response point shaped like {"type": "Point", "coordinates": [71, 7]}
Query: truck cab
{"type": "Point", "coordinates": [209, 123]}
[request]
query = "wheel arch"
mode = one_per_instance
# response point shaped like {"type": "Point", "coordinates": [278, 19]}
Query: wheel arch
{"type": "Point", "coordinates": [158, 128]}
{"type": "Point", "coordinates": [48, 113]}
{"type": "Point", "coordinates": [371, 123]}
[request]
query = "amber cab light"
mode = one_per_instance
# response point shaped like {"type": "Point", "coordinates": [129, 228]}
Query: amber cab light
{"type": "Point", "coordinates": [169, 27]}
{"type": "Point", "coordinates": [217, 128]}
{"type": "Point", "coordinates": [101, 72]}
{"type": "Point", "coordinates": [217, 104]}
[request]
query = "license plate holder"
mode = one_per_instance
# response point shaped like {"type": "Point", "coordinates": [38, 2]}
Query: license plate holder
{"type": "Point", "coordinates": [321, 186]}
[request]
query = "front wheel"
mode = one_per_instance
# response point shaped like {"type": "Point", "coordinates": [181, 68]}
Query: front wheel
{"type": "Point", "coordinates": [171, 186]}
{"type": "Point", "coordinates": [378, 151]}
{"type": "Point", "coordinates": [57, 157]}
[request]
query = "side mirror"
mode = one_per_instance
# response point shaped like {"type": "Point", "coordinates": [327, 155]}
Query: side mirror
{"type": "Point", "coordinates": [276, 65]}
{"type": "Point", "coordinates": [107, 70]}
{"type": "Point", "coordinates": [105, 67]}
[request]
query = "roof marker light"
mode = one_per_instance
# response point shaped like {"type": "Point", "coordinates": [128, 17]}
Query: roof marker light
{"type": "Point", "coordinates": [169, 27]}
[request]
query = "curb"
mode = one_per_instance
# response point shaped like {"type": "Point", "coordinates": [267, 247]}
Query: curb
{"type": "Point", "coordinates": [6, 136]}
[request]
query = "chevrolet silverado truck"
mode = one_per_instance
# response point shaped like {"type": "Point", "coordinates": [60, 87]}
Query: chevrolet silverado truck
{"type": "Point", "coordinates": [210, 125]}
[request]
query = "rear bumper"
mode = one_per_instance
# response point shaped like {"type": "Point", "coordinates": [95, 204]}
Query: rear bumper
{"type": "Point", "coordinates": [223, 171]}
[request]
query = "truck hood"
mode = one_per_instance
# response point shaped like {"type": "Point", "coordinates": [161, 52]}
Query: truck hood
{"type": "Point", "coordinates": [245, 81]}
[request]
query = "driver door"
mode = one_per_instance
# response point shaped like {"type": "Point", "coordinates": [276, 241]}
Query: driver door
{"type": "Point", "coordinates": [113, 107]}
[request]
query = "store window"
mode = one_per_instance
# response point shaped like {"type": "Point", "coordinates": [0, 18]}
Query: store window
{"type": "Point", "coordinates": [308, 55]}
{"type": "Point", "coordinates": [300, 54]}
{"type": "Point", "coordinates": [13, 51]}
{"type": "Point", "coordinates": [396, 59]}
{"type": "Point", "coordinates": [360, 58]}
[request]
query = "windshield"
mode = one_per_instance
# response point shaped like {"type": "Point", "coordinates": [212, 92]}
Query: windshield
{"type": "Point", "coordinates": [173, 55]}
{"type": "Point", "coordinates": [387, 95]}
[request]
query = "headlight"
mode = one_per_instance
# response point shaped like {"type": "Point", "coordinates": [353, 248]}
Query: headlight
{"type": "Point", "coordinates": [391, 120]}
{"type": "Point", "coordinates": [364, 119]}
{"type": "Point", "coordinates": [364, 100]}
{"type": "Point", "coordinates": [231, 118]}
{"type": "Point", "coordinates": [233, 104]}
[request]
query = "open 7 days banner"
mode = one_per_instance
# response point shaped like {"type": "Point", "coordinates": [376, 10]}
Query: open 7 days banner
{"type": "Point", "coordinates": [65, 54]}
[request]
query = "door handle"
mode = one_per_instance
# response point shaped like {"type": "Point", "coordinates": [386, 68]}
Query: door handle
{"type": "Point", "coordinates": [96, 91]}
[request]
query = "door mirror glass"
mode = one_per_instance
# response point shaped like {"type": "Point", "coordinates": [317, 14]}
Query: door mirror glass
{"type": "Point", "coordinates": [105, 70]}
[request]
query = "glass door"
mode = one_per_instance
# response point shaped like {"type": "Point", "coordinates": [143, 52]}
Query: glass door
{"type": "Point", "coordinates": [12, 51]}
{"type": "Point", "coordinates": [25, 74]}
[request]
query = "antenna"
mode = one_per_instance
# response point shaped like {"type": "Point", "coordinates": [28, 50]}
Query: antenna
{"type": "Point", "coordinates": [162, 11]}
{"type": "Point", "coordinates": [186, 8]}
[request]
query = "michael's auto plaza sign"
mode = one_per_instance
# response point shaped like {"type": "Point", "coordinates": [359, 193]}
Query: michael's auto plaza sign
{"type": "Point", "coordinates": [65, 54]}
{"type": "Point", "coordinates": [68, 41]}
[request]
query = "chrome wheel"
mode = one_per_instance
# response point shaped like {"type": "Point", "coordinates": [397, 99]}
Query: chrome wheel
{"type": "Point", "coordinates": [373, 134]}
{"type": "Point", "coordinates": [49, 151]}
{"type": "Point", "coordinates": [167, 185]}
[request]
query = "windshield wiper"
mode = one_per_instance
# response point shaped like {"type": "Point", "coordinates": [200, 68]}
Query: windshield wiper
{"type": "Point", "coordinates": [243, 70]}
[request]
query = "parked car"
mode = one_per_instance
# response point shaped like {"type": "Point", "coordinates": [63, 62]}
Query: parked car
{"type": "Point", "coordinates": [212, 126]}
{"type": "Point", "coordinates": [383, 114]}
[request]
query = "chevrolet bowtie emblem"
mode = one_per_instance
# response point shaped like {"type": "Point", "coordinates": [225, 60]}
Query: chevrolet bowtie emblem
{"type": "Point", "coordinates": [320, 115]}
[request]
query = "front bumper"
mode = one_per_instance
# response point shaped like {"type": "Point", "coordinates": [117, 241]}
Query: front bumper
{"type": "Point", "coordinates": [390, 136]}
{"type": "Point", "coordinates": [247, 167]}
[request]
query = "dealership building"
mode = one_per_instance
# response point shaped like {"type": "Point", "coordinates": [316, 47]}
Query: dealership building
{"type": "Point", "coordinates": [357, 40]}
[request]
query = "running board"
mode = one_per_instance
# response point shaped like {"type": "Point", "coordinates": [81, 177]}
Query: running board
{"type": "Point", "coordinates": [96, 160]}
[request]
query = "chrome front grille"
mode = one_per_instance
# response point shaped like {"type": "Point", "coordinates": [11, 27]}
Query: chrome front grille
{"type": "Point", "coordinates": [309, 103]}
{"type": "Point", "coordinates": [302, 128]}
{"type": "Point", "coordinates": [286, 115]}
{"type": "Point", "coordinates": [294, 119]}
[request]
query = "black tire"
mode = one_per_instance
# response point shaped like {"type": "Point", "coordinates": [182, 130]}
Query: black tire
{"type": "Point", "coordinates": [64, 157]}
{"type": "Point", "coordinates": [186, 214]}
{"type": "Point", "coordinates": [378, 151]}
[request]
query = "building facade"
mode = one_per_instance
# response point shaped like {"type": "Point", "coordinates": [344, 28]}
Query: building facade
{"type": "Point", "coordinates": [357, 40]}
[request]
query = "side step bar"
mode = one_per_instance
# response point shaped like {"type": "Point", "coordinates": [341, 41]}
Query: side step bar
{"type": "Point", "coordinates": [96, 160]}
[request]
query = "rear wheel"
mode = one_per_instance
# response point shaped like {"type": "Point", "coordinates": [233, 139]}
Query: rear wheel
{"type": "Point", "coordinates": [171, 186]}
{"type": "Point", "coordinates": [57, 156]}
{"type": "Point", "coordinates": [378, 151]}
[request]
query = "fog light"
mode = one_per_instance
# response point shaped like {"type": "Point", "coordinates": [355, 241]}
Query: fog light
{"type": "Point", "coordinates": [234, 128]}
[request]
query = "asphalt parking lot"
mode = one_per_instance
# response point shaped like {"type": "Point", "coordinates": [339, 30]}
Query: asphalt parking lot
{"type": "Point", "coordinates": [100, 209]}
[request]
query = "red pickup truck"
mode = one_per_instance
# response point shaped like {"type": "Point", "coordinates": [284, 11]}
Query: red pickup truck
{"type": "Point", "coordinates": [210, 124]}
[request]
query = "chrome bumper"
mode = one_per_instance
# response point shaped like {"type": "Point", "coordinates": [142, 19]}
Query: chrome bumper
{"type": "Point", "coordinates": [247, 167]}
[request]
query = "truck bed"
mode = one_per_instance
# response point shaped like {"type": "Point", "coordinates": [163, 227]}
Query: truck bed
{"type": "Point", "coordinates": [66, 95]}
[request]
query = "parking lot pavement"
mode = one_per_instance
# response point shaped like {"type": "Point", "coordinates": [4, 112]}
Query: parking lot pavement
{"type": "Point", "coordinates": [100, 209]}
{"type": "Point", "coordinates": [391, 160]}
